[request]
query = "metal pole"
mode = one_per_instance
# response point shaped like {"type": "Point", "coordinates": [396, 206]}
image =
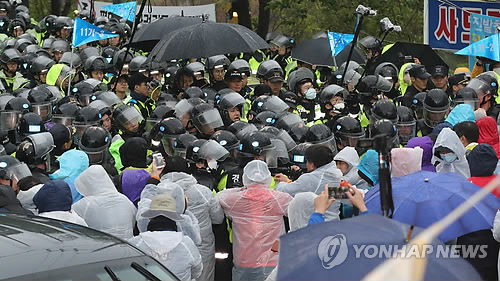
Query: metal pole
{"type": "Point", "coordinates": [356, 35]}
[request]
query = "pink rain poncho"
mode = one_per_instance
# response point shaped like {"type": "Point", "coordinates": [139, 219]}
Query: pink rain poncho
{"type": "Point", "coordinates": [257, 217]}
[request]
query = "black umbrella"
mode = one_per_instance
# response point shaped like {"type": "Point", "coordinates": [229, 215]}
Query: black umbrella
{"type": "Point", "coordinates": [317, 52]}
{"type": "Point", "coordinates": [205, 40]}
{"type": "Point", "coordinates": [150, 34]}
{"type": "Point", "coordinates": [403, 52]}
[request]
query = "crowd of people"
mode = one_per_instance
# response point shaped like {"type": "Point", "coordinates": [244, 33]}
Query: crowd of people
{"type": "Point", "coordinates": [196, 166]}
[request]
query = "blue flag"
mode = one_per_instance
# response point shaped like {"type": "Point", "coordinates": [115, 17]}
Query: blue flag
{"type": "Point", "coordinates": [84, 32]}
{"type": "Point", "coordinates": [487, 47]}
{"type": "Point", "coordinates": [124, 10]}
{"type": "Point", "coordinates": [338, 41]}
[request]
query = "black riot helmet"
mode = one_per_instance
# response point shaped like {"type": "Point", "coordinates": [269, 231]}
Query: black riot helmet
{"type": "Point", "coordinates": [485, 85]}
{"type": "Point", "coordinates": [160, 112]}
{"type": "Point", "coordinates": [240, 129]}
{"type": "Point", "coordinates": [269, 103]}
{"type": "Point", "coordinates": [466, 96]}
{"type": "Point", "coordinates": [206, 150]}
{"type": "Point", "coordinates": [40, 65]}
{"type": "Point", "coordinates": [65, 113]}
{"type": "Point", "coordinates": [265, 118]}
{"type": "Point", "coordinates": [330, 92]}
{"type": "Point", "coordinates": [407, 124]}
{"type": "Point", "coordinates": [95, 63]}
{"type": "Point", "coordinates": [241, 66]}
{"type": "Point", "coordinates": [35, 149]}
{"type": "Point", "coordinates": [384, 109]}
{"type": "Point", "coordinates": [129, 120]}
{"type": "Point", "coordinates": [269, 68]}
{"type": "Point", "coordinates": [4, 24]}
{"type": "Point", "coordinates": [101, 106]}
{"type": "Point", "coordinates": [4, 98]}
{"type": "Point", "coordinates": [280, 134]}
{"type": "Point", "coordinates": [85, 91]}
{"type": "Point", "coordinates": [373, 85]}
{"type": "Point", "coordinates": [417, 105]}
{"type": "Point", "coordinates": [12, 169]}
{"type": "Point", "coordinates": [72, 60]}
{"type": "Point", "coordinates": [436, 106]}
{"type": "Point", "coordinates": [228, 101]}
{"type": "Point", "coordinates": [60, 45]}
{"type": "Point", "coordinates": [257, 145]}
{"type": "Point", "coordinates": [41, 103]}
{"type": "Point", "coordinates": [137, 65]}
{"type": "Point", "coordinates": [30, 123]}
{"type": "Point", "coordinates": [283, 41]}
{"type": "Point", "coordinates": [122, 59]}
{"type": "Point", "coordinates": [10, 55]}
{"type": "Point", "coordinates": [387, 70]}
{"type": "Point", "coordinates": [194, 92]}
{"type": "Point", "coordinates": [347, 131]}
{"type": "Point", "coordinates": [166, 132]}
{"type": "Point", "coordinates": [108, 53]}
{"type": "Point", "coordinates": [386, 127]}
{"type": "Point", "coordinates": [227, 139]}
{"type": "Point", "coordinates": [206, 118]}
{"type": "Point", "coordinates": [286, 120]}
{"type": "Point", "coordinates": [197, 68]}
{"type": "Point", "coordinates": [95, 142]}
{"type": "Point", "coordinates": [298, 77]}
{"type": "Point", "coordinates": [320, 134]}
{"type": "Point", "coordinates": [218, 61]}
{"type": "Point", "coordinates": [85, 117]}
{"type": "Point", "coordinates": [182, 143]}
{"type": "Point", "coordinates": [88, 52]}
{"type": "Point", "coordinates": [371, 43]}
{"type": "Point", "coordinates": [19, 104]}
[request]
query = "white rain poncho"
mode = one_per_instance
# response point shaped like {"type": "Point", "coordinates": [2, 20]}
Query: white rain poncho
{"type": "Point", "coordinates": [189, 226]}
{"type": "Point", "coordinates": [204, 206]}
{"type": "Point", "coordinates": [64, 216]}
{"type": "Point", "coordinates": [256, 212]}
{"type": "Point", "coordinates": [315, 182]}
{"type": "Point", "coordinates": [103, 207]}
{"type": "Point", "coordinates": [26, 198]}
{"type": "Point", "coordinates": [350, 156]}
{"type": "Point", "coordinates": [405, 161]}
{"type": "Point", "coordinates": [175, 251]}
{"type": "Point", "coordinates": [449, 139]}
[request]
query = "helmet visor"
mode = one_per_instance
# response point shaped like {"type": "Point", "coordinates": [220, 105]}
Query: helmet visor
{"type": "Point", "coordinates": [275, 104]}
{"type": "Point", "coordinates": [150, 123]}
{"type": "Point", "coordinates": [329, 142]}
{"type": "Point", "coordinates": [109, 98]}
{"type": "Point", "coordinates": [44, 110]}
{"type": "Point", "coordinates": [79, 130]}
{"type": "Point", "coordinates": [95, 157]}
{"type": "Point", "coordinates": [18, 172]}
{"type": "Point", "coordinates": [8, 120]}
{"type": "Point", "coordinates": [168, 143]}
{"type": "Point", "coordinates": [406, 131]}
{"type": "Point", "coordinates": [245, 130]}
{"type": "Point", "coordinates": [433, 117]}
{"type": "Point", "coordinates": [208, 121]}
{"type": "Point", "coordinates": [349, 139]}
{"type": "Point", "coordinates": [182, 107]}
{"type": "Point", "coordinates": [270, 156]}
{"type": "Point", "coordinates": [481, 87]}
{"type": "Point", "coordinates": [129, 119]}
{"type": "Point", "coordinates": [281, 150]}
{"type": "Point", "coordinates": [59, 119]}
{"type": "Point", "coordinates": [212, 150]}
{"type": "Point", "coordinates": [287, 140]}
{"type": "Point", "coordinates": [474, 102]}
{"type": "Point", "coordinates": [288, 121]}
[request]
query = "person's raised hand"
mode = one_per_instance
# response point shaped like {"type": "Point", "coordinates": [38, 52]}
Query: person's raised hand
{"type": "Point", "coordinates": [322, 202]}
{"type": "Point", "coordinates": [357, 199]}
{"type": "Point", "coordinates": [155, 171]}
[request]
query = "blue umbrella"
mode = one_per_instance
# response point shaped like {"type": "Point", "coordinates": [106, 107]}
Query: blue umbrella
{"type": "Point", "coordinates": [328, 251]}
{"type": "Point", "coordinates": [423, 198]}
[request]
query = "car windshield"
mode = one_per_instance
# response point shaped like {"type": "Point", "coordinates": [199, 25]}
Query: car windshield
{"type": "Point", "coordinates": [135, 268]}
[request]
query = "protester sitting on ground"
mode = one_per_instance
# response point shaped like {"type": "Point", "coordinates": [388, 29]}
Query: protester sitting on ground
{"type": "Point", "coordinates": [54, 201]}
{"type": "Point", "coordinates": [164, 242]}
{"type": "Point", "coordinates": [103, 208]}
{"type": "Point", "coordinates": [488, 133]}
{"type": "Point", "coordinates": [426, 144]}
{"type": "Point", "coordinates": [253, 258]}
{"type": "Point", "coordinates": [449, 154]}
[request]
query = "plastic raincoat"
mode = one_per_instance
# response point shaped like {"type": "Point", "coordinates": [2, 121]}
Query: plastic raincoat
{"type": "Point", "coordinates": [406, 161]}
{"type": "Point", "coordinates": [257, 214]}
{"type": "Point", "coordinates": [369, 166]}
{"type": "Point", "coordinates": [426, 144]}
{"type": "Point", "coordinates": [350, 156]}
{"type": "Point", "coordinates": [488, 133]}
{"type": "Point", "coordinates": [103, 207]}
{"type": "Point", "coordinates": [315, 182]}
{"type": "Point", "coordinates": [174, 250]}
{"type": "Point", "coordinates": [189, 226]}
{"type": "Point", "coordinates": [448, 139]}
{"type": "Point", "coordinates": [26, 198]}
{"type": "Point", "coordinates": [461, 113]}
{"type": "Point", "coordinates": [64, 216]}
{"type": "Point", "coordinates": [71, 164]}
{"type": "Point", "coordinates": [204, 206]}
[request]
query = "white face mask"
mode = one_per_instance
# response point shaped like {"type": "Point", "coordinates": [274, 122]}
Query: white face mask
{"type": "Point", "coordinates": [449, 157]}
{"type": "Point", "coordinates": [310, 94]}
{"type": "Point", "coordinates": [212, 164]}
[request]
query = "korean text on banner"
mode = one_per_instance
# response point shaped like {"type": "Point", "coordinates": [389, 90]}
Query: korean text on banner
{"type": "Point", "coordinates": [124, 10]}
{"type": "Point", "coordinates": [84, 32]}
{"type": "Point", "coordinates": [338, 41]}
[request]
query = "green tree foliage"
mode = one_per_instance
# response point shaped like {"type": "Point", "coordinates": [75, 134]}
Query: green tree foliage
{"type": "Point", "coordinates": [302, 19]}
